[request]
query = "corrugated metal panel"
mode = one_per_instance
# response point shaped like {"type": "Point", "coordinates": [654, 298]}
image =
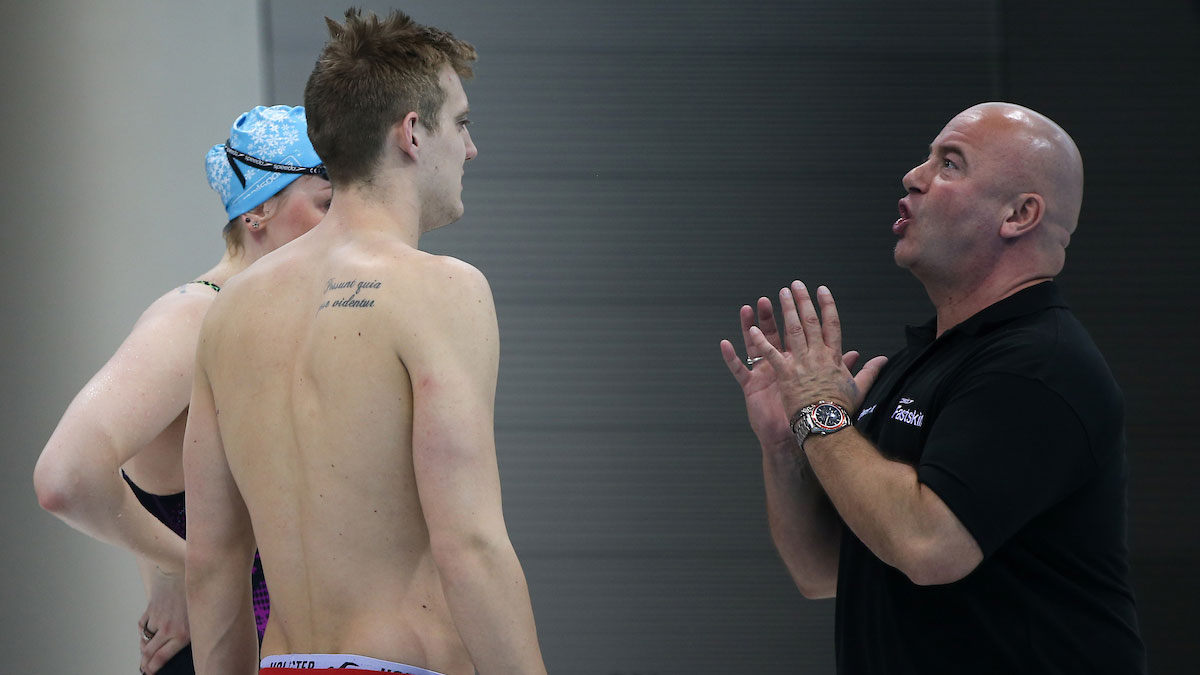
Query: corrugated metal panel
{"type": "Point", "coordinates": [644, 169]}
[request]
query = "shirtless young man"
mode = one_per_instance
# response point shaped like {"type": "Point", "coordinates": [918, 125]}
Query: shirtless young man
{"type": "Point", "coordinates": [113, 467]}
{"type": "Point", "coordinates": [341, 418]}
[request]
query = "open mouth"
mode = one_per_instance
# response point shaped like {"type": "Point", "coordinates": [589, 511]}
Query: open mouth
{"type": "Point", "coordinates": [904, 219]}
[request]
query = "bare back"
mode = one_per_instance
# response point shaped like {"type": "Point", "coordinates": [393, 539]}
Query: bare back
{"type": "Point", "coordinates": [306, 358]}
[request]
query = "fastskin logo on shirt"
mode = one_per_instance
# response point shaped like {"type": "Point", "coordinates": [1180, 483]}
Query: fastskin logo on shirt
{"type": "Point", "coordinates": [906, 415]}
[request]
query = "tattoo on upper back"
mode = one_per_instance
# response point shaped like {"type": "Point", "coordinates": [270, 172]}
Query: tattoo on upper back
{"type": "Point", "coordinates": [352, 286]}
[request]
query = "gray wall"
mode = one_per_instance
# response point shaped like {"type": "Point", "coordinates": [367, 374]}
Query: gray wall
{"type": "Point", "coordinates": [108, 109]}
{"type": "Point", "coordinates": [644, 169]}
{"type": "Point", "coordinates": [1126, 82]}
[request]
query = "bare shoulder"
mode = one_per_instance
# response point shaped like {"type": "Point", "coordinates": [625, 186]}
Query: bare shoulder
{"type": "Point", "coordinates": [230, 313]}
{"type": "Point", "coordinates": [257, 285]}
{"type": "Point", "coordinates": [453, 295]}
{"type": "Point", "coordinates": [454, 279]}
{"type": "Point", "coordinates": [415, 280]}
{"type": "Point", "coordinates": [179, 309]}
{"type": "Point", "coordinates": [257, 275]}
{"type": "Point", "coordinates": [158, 354]}
{"type": "Point", "coordinates": [444, 304]}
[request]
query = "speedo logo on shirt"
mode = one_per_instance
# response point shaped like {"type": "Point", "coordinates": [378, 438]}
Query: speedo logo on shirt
{"type": "Point", "coordinates": [906, 415]}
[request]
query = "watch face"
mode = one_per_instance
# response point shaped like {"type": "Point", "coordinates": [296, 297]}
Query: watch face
{"type": "Point", "coordinates": [828, 416]}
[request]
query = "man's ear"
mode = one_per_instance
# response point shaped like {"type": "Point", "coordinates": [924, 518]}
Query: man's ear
{"type": "Point", "coordinates": [404, 135]}
{"type": "Point", "coordinates": [1026, 214]}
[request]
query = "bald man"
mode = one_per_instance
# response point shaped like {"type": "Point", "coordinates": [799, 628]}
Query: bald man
{"type": "Point", "coordinates": [964, 500]}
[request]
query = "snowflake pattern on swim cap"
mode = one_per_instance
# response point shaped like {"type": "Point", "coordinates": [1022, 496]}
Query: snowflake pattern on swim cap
{"type": "Point", "coordinates": [277, 134]}
{"type": "Point", "coordinates": [220, 175]}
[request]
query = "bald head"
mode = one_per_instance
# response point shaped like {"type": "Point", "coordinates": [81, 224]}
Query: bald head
{"type": "Point", "coordinates": [997, 198]}
{"type": "Point", "coordinates": [1038, 157]}
{"type": "Point", "coordinates": [991, 209]}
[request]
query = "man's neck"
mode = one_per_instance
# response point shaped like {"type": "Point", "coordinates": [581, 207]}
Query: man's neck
{"type": "Point", "coordinates": [389, 210]}
{"type": "Point", "coordinates": [955, 305]}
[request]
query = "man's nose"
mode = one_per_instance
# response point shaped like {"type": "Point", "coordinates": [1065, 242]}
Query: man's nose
{"type": "Point", "coordinates": [915, 180]}
{"type": "Point", "coordinates": [472, 151]}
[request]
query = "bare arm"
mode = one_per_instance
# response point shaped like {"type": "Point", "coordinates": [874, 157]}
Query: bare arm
{"type": "Point", "coordinates": [142, 389]}
{"type": "Point", "coordinates": [453, 369]}
{"type": "Point", "coordinates": [902, 522]}
{"type": "Point", "coordinates": [803, 524]}
{"type": "Point", "coordinates": [220, 546]}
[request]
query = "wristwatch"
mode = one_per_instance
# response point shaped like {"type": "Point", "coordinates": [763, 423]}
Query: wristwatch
{"type": "Point", "coordinates": [822, 418]}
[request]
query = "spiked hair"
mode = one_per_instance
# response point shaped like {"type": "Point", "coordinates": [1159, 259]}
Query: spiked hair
{"type": "Point", "coordinates": [370, 74]}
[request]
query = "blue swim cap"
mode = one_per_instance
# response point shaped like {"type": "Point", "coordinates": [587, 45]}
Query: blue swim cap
{"type": "Point", "coordinates": [268, 148]}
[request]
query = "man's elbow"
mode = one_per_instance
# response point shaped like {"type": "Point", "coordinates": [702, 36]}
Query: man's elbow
{"type": "Point", "coordinates": [933, 565]}
{"type": "Point", "coordinates": [816, 590]}
{"type": "Point", "coordinates": [203, 570]}
{"type": "Point", "coordinates": [462, 553]}
{"type": "Point", "coordinates": [814, 582]}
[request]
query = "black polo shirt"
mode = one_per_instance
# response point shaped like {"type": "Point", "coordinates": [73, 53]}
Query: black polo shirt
{"type": "Point", "coordinates": [1014, 420]}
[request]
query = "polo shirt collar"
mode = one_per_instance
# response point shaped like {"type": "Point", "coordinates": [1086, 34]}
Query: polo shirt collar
{"type": "Point", "coordinates": [1035, 298]}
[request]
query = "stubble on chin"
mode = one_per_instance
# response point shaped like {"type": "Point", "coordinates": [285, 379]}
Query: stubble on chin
{"type": "Point", "coordinates": [898, 256]}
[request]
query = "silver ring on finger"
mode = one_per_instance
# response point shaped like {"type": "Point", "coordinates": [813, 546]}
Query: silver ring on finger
{"type": "Point", "coordinates": [147, 634]}
{"type": "Point", "coordinates": [750, 361]}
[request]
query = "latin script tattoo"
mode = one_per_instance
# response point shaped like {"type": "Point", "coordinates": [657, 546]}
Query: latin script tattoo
{"type": "Point", "coordinates": [354, 287]}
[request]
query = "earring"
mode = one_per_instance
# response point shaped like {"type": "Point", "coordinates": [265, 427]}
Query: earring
{"type": "Point", "coordinates": [255, 225]}
{"type": "Point", "coordinates": [247, 218]}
